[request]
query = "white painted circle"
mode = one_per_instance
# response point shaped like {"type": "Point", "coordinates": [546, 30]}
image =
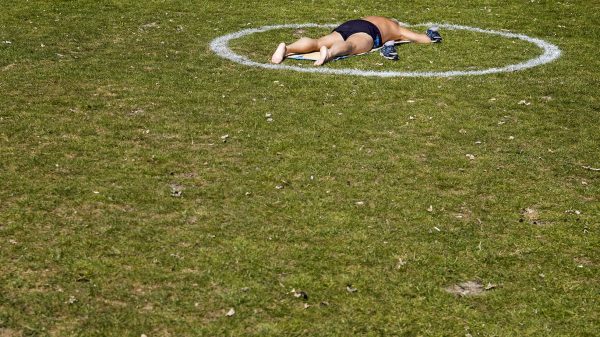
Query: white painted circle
{"type": "Point", "coordinates": [220, 46]}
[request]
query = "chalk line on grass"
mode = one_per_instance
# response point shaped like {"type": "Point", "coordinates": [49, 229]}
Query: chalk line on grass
{"type": "Point", "coordinates": [220, 46]}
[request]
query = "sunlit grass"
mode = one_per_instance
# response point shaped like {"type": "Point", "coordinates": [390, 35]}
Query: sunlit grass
{"type": "Point", "coordinates": [148, 186]}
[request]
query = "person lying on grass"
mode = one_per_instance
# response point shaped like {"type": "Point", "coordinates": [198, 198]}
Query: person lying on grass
{"type": "Point", "coordinates": [356, 37]}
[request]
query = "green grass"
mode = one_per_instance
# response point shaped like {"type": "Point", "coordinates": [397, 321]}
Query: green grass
{"type": "Point", "coordinates": [107, 107]}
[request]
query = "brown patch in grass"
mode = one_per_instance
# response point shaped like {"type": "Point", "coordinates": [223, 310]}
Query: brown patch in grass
{"type": "Point", "coordinates": [143, 289]}
{"type": "Point", "coordinates": [148, 307]}
{"type": "Point", "coordinates": [584, 261]}
{"type": "Point", "coordinates": [298, 33]}
{"type": "Point", "coordinates": [106, 91]}
{"type": "Point", "coordinates": [212, 316]}
{"type": "Point", "coordinates": [464, 214]}
{"type": "Point", "coordinates": [66, 327]}
{"type": "Point", "coordinates": [159, 332]}
{"type": "Point", "coordinates": [5, 332]}
{"type": "Point", "coordinates": [530, 215]}
{"type": "Point", "coordinates": [469, 288]}
{"type": "Point", "coordinates": [5, 68]}
{"type": "Point", "coordinates": [114, 303]}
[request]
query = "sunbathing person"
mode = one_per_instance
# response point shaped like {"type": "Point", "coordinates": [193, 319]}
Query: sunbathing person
{"type": "Point", "coordinates": [356, 37]}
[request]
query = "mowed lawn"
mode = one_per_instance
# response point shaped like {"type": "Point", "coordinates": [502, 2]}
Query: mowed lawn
{"type": "Point", "coordinates": [149, 187]}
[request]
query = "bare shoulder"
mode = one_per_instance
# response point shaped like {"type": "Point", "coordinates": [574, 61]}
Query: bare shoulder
{"type": "Point", "coordinates": [383, 23]}
{"type": "Point", "coordinates": [380, 20]}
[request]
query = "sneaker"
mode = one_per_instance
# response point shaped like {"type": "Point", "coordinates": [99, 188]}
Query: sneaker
{"type": "Point", "coordinates": [389, 51]}
{"type": "Point", "coordinates": [434, 35]}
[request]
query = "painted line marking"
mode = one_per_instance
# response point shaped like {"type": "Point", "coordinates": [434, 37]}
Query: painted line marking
{"type": "Point", "coordinates": [220, 46]}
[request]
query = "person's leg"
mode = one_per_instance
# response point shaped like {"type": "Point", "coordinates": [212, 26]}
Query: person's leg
{"type": "Point", "coordinates": [279, 54]}
{"type": "Point", "coordinates": [304, 45]}
{"type": "Point", "coordinates": [355, 44]}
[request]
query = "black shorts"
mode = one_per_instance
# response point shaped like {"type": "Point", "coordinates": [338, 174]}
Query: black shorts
{"type": "Point", "coordinates": [352, 27]}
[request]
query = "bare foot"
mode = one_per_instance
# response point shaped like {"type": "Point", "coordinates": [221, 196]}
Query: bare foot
{"type": "Point", "coordinates": [322, 56]}
{"type": "Point", "coordinates": [279, 54]}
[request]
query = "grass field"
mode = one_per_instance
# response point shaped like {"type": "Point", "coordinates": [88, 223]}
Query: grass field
{"type": "Point", "coordinates": [149, 187]}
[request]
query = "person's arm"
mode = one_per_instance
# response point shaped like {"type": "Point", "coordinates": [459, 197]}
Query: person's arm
{"type": "Point", "coordinates": [404, 34]}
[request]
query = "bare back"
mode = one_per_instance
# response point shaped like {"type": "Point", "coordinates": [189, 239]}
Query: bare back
{"type": "Point", "coordinates": [390, 29]}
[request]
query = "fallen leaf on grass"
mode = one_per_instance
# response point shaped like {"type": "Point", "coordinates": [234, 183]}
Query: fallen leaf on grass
{"type": "Point", "coordinates": [284, 183]}
{"type": "Point", "coordinates": [401, 263]}
{"type": "Point", "coordinates": [591, 168]}
{"type": "Point", "coordinates": [149, 25]}
{"type": "Point", "coordinates": [490, 286]}
{"type": "Point", "coordinates": [176, 190]}
{"type": "Point", "coordinates": [82, 278]}
{"type": "Point", "coordinates": [531, 215]}
{"type": "Point", "coordinates": [524, 102]}
{"type": "Point", "coordinates": [299, 294]}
